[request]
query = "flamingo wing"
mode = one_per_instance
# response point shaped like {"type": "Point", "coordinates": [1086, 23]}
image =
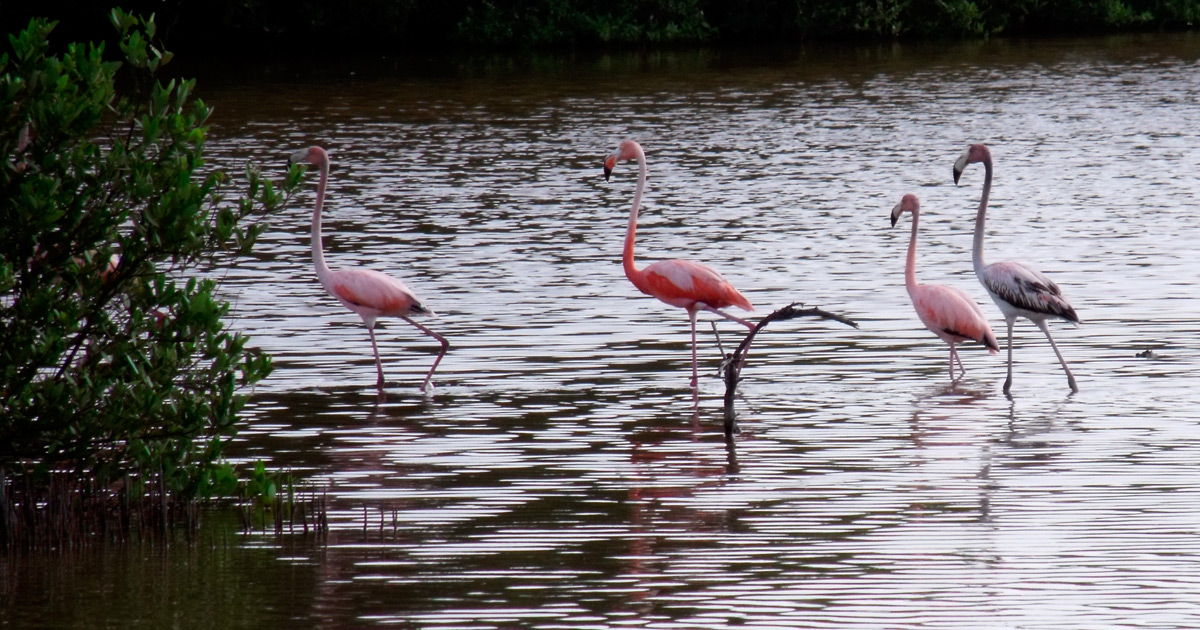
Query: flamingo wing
{"type": "Point", "coordinates": [378, 292]}
{"type": "Point", "coordinates": [684, 283]}
{"type": "Point", "coordinates": [1027, 289]}
{"type": "Point", "coordinates": [947, 310]}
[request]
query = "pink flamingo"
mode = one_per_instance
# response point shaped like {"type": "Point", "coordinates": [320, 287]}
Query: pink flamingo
{"type": "Point", "coordinates": [682, 283]}
{"type": "Point", "coordinates": [1019, 290]}
{"type": "Point", "coordinates": [945, 311]}
{"type": "Point", "coordinates": [368, 293]}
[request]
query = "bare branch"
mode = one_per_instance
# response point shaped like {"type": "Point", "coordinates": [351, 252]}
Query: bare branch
{"type": "Point", "coordinates": [733, 363]}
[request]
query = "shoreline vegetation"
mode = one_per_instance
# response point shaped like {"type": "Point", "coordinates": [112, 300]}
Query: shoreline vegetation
{"type": "Point", "coordinates": [121, 380]}
{"type": "Point", "coordinates": [274, 28]}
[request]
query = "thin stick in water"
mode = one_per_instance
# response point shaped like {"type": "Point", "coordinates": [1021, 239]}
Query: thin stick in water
{"type": "Point", "coordinates": [733, 366]}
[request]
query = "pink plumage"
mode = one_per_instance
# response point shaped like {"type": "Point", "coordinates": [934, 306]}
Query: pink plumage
{"type": "Point", "coordinates": [366, 292]}
{"type": "Point", "coordinates": [684, 283]}
{"type": "Point", "coordinates": [373, 294]}
{"type": "Point", "coordinates": [951, 315]}
{"type": "Point", "coordinates": [681, 283]}
{"type": "Point", "coordinates": [945, 310]}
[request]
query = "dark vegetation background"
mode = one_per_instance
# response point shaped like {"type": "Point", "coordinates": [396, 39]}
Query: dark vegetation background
{"type": "Point", "coordinates": [305, 27]}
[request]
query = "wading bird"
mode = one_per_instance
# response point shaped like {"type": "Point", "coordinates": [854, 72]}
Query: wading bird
{"type": "Point", "coordinates": [368, 293]}
{"type": "Point", "coordinates": [1019, 290]}
{"type": "Point", "coordinates": [681, 283]}
{"type": "Point", "coordinates": [944, 310]}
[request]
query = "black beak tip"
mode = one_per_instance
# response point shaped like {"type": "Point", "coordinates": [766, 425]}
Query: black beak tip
{"type": "Point", "coordinates": [894, 218]}
{"type": "Point", "coordinates": [957, 174]}
{"type": "Point", "coordinates": [607, 172]}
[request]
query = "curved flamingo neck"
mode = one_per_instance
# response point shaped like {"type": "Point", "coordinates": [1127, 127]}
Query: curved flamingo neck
{"type": "Point", "coordinates": [981, 217]}
{"type": "Point", "coordinates": [910, 267]}
{"type": "Point", "coordinates": [318, 248]}
{"type": "Point", "coordinates": [631, 270]}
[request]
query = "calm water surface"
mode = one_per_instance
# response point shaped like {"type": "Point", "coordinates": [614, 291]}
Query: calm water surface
{"type": "Point", "coordinates": [561, 475]}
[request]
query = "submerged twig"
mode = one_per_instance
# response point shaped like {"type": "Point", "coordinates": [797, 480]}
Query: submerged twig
{"type": "Point", "coordinates": [733, 364]}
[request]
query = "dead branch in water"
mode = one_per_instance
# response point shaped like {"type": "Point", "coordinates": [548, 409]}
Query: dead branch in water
{"type": "Point", "coordinates": [733, 363]}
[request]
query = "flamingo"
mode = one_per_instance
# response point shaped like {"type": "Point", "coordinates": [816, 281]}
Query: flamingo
{"type": "Point", "coordinates": [681, 283]}
{"type": "Point", "coordinates": [368, 293]}
{"type": "Point", "coordinates": [945, 311]}
{"type": "Point", "coordinates": [1017, 289]}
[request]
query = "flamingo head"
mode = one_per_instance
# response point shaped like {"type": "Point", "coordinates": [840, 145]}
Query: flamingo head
{"type": "Point", "coordinates": [974, 153]}
{"type": "Point", "coordinates": [627, 150]}
{"type": "Point", "coordinates": [312, 155]}
{"type": "Point", "coordinates": [908, 203]}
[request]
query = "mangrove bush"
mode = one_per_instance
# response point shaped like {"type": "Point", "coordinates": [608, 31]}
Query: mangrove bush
{"type": "Point", "coordinates": [117, 368]}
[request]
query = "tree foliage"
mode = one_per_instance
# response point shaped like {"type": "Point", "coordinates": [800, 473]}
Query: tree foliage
{"type": "Point", "coordinates": [538, 23]}
{"type": "Point", "coordinates": [314, 27]}
{"type": "Point", "coordinates": [115, 359]}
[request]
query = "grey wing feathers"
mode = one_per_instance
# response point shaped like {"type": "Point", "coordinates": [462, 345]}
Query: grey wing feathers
{"type": "Point", "coordinates": [1027, 289]}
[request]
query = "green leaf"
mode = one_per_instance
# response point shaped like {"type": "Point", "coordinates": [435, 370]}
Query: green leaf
{"type": "Point", "coordinates": [133, 374]}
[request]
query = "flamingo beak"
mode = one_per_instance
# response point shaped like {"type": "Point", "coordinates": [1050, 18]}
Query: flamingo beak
{"type": "Point", "coordinates": [959, 165]}
{"type": "Point", "coordinates": [609, 164]}
{"type": "Point", "coordinates": [896, 212]}
{"type": "Point", "coordinates": [298, 156]}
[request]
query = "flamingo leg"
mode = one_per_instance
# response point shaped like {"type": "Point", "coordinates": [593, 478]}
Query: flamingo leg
{"type": "Point", "coordinates": [962, 371]}
{"type": "Point", "coordinates": [378, 364]}
{"type": "Point", "coordinates": [732, 318]}
{"type": "Point", "coordinates": [695, 371]}
{"type": "Point", "coordinates": [445, 346]}
{"type": "Point", "coordinates": [1008, 380]}
{"type": "Point", "coordinates": [1070, 377]}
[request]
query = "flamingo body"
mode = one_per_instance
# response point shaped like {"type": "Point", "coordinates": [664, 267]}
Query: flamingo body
{"type": "Point", "coordinates": [681, 283]}
{"type": "Point", "coordinates": [1017, 289]}
{"type": "Point", "coordinates": [1025, 292]}
{"type": "Point", "coordinates": [372, 294]}
{"type": "Point", "coordinates": [684, 284]}
{"type": "Point", "coordinates": [951, 315]}
{"type": "Point", "coordinates": [368, 293]}
{"type": "Point", "coordinates": [946, 311]}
